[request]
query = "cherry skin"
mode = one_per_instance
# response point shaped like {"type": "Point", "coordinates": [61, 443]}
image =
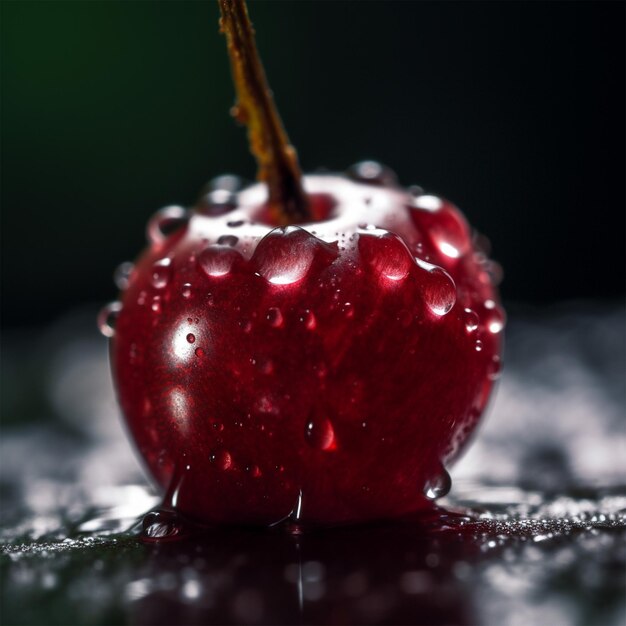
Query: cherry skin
{"type": "Point", "coordinates": [327, 371]}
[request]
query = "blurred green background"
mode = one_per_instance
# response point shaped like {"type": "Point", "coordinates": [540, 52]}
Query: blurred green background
{"type": "Point", "coordinates": [113, 109]}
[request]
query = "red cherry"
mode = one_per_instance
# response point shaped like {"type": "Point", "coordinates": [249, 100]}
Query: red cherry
{"type": "Point", "coordinates": [317, 349]}
{"type": "Point", "coordinates": [335, 367]}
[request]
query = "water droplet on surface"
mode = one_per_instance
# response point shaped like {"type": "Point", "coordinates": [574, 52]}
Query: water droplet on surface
{"type": "Point", "coordinates": [235, 223]}
{"type": "Point", "coordinates": [216, 202]}
{"type": "Point", "coordinates": [438, 486]}
{"type": "Point", "coordinates": [165, 222]}
{"type": "Point", "coordinates": [199, 352]}
{"type": "Point", "coordinates": [121, 276]}
{"type": "Point", "coordinates": [187, 290]}
{"type": "Point", "coordinates": [222, 460]}
{"type": "Point", "coordinates": [373, 173]}
{"type": "Point", "coordinates": [228, 240]}
{"type": "Point", "coordinates": [156, 304]}
{"type": "Point", "coordinates": [478, 346]}
{"type": "Point", "coordinates": [274, 317]}
{"type": "Point", "coordinates": [495, 366]}
{"type": "Point", "coordinates": [470, 319]}
{"type": "Point", "coordinates": [107, 318]}
{"type": "Point", "coordinates": [266, 406]}
{"type": "Point", "coordinates": [217, 261]}
{"type": "Point", "coordinates": [319, 433]}
{"type": "Point", "coordinates": [308, 319]}
{"type": "Point", "coordinates": [161, 273]}
{"type": "Point", "coordinates": [163, 525]}
{"type": "Point", "coordinates": [191, 338]}
{"type": "Point", "coordinates": [285, 255]}
{"type": "Point", "coordinates": [438, 290]}
{"type": "Point", "coordinates": [427, 202]}
{"type": "Point", "coordinates": [386, 254]}
{"type": "Point", "coordinates": [227, 182]}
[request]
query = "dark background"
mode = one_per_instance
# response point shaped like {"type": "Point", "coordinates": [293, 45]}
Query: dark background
{"type": "Point", "coordinates": [111, 110]}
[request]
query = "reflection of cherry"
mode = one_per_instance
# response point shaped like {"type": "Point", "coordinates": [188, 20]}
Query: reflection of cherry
{"type": "Point", "coordinates": [318, 347]}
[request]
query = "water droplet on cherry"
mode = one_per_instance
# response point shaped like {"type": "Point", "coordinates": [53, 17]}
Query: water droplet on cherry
{"type": "Point", "coordinates": [222, 460]}
{"type": "Point", "coordinates": [107, 318]}
{"type": "Point", "coordinates": [217, 261]}
{"type": "Point", "coordinates": [274, 317]}
{"type": "Point", "coordinates": [386, 254]}
{"type": "Point", "coordinates": [165, 222]}
{"type": "Point", "coordinates": [122, 274]}
{"type": "Point", "coordinates": [438, 289]}
{"type": "Point", "coordinates": [495, 366]}
{"type": "Point", "coordinates": [478, 346]}
{"type": "Point", "coordinates": [228, 240]}
{"type": "Point", "coordinates": [216, 202]}
{"type": "Point", "coordinates": [319, 433]}
{"type": "Point", "coordinates": [191, 338]}
{"type": "Point", "coordinates": [471, 320]}
{"type": "Point", "coordinates": [438, 486]}
{"type": "Point", "coordinates": [373, 173]}
{"type": "Point", "coordinates": [187, 290]}
{"type": "Point", "coordinates": [427, 202]}
{"type": "Point", "coordinates": [161, 273]}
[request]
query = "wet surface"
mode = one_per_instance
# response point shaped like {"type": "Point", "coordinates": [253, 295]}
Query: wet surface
{"type": "Point", "coordinates": [532, 532]}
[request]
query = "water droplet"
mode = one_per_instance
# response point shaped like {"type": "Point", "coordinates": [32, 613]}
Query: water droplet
{"type": "Point", "coordinates": [216, 202]}
{"type": "Point", "coordinates": [226, 182]}
{"type": "Point", "coordinates": [319, 433]}
{"type": "Point", "coordinates": [156, 304]}
{"type": "Point", "coordinates": [274, 317]}
{"type": "Point", "coordinates": [495, 366]}
{"type": "Point", "coordinates": [217, 261]}
{"type": "Point", "coordinates": [199, 352]}
{"type": "Point", "coordinates": [165, 222]}
{"type": "Point", "coordinates": [142, 297]}
{"type": "Point", "coordinates": [495, 321]}
{"type": "Point", "coordinates": [228, 240]}
{"type": "Point", "coordinates": [438, 290]}
{"type": "Point", "coordinates": [470, 320]}
{"type": "Point", "coordinates": [308, 319]}
{"type": "Point", "coordinates": [266, 406]}
{"type": "Point", "coordinates": [235, 223]}
{"type": "Point", "coordinates": [222, 460]}
{"type": "Point", "coordinates": [161, 273]}
{"type": "Point", "coordinates": [478, 346]}
{"type": "Point", "coordinates": [107, 318]}
{"type": "Point", "coordinates": [191, 338]}
{"type": "Point", "coordinates": [163, 525]}
{"type": "Point", "coordinates": [373, 173]}
{"type": "Point", "coordinates": [187, 290]}
{"type": "Point", "coordinates": [438, 486]}
{"type": "Point", "coordinates": [285, 255]}
{"type": "Point", "coordinates": [427, 202]}
{"type": "Point", "coordinates": [121, 276]}
{"type": "Point", "coordinates": [386, 254]}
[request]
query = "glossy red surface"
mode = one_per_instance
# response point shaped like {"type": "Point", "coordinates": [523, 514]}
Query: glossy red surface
{"type": "Point", "coordinates": [327, 371]}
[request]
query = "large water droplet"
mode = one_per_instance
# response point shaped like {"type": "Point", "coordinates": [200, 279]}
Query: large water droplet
{"type": "Point", "coordinates": [121, 276]}
{"type": "Point", "coordinates": [373, 173]}
{"type": "Point", "coordinates": [319, 433]}
{"type": "Point", "coordinates": [161, 273]}
{"type": "Point", "coordinates": [438, 486]}
{"type": "Point", "coordinates": [164, 222]}
{"type": "Point", "coordinates": [217, 260]}
{"type": "Point", "coordinates": [438, 288]}
{"type": "Point", "coordinates": [107, 318]}
{"type": "Point", "coordinates": [286, 255]}
{"type": "Point", "coordinates": [386, 254]}
{"type": "Point", "coordinates": [163, 525]}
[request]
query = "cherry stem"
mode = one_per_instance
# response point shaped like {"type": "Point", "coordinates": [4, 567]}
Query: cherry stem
{"type": "Point", "coordinates": [276, 158]}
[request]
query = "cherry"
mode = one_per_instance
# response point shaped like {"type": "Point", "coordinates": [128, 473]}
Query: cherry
{"type": "Point", "coordinates": [314, 348]}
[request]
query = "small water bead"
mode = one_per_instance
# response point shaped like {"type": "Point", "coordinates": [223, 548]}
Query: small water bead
{"type": "Point", "coordinates": [495, 321]}
{"type": "Point", "coordinates": [495, 366]}
{"type": "Point", "coordinates": [187, 290]}
{"type": "Point", "coordinates": [199, 352]}
{"type": "Point", "coordinates": [372, 173]}
{"type": "Point", "coordinates": [122, 274]}
{"type": "Point", "coordinates": [165, 222]}
{"type": "Point", "coordinates": [438, 486]}
{"type": "Point", "coordinates": [191, 338]}
{"type": "Point", "coordinates": [478, 346]}
{"type": "Point", "coordinates": [319, 433]}
{"type": "Point", "coordinates": [427, 202]}
{"type": "Point", "coordinates": [216, 261]}
{"type": "Point", "coordinates": [161, 273]}
{"type": "Point", "coordinates": [471, 320]}
{"type": "Point", "coordinates": [309, 320]}
{"type": "Point", "coordinates": [107, 318]}
{"type": "Point", "coordinates": [216, 202]}
{"type": "Point", "coordinates": [228, 240]}
{"type": "Point", "coordinates": [222, 459]}
{"type": "Point", "coordinates": [438, 290]}
{"type": "Point", "coordinates": [156, 304]}
{"type": "Point", "coordinates": [235, 223]}
{"type": "Point", "coordinates": [274, 317]}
